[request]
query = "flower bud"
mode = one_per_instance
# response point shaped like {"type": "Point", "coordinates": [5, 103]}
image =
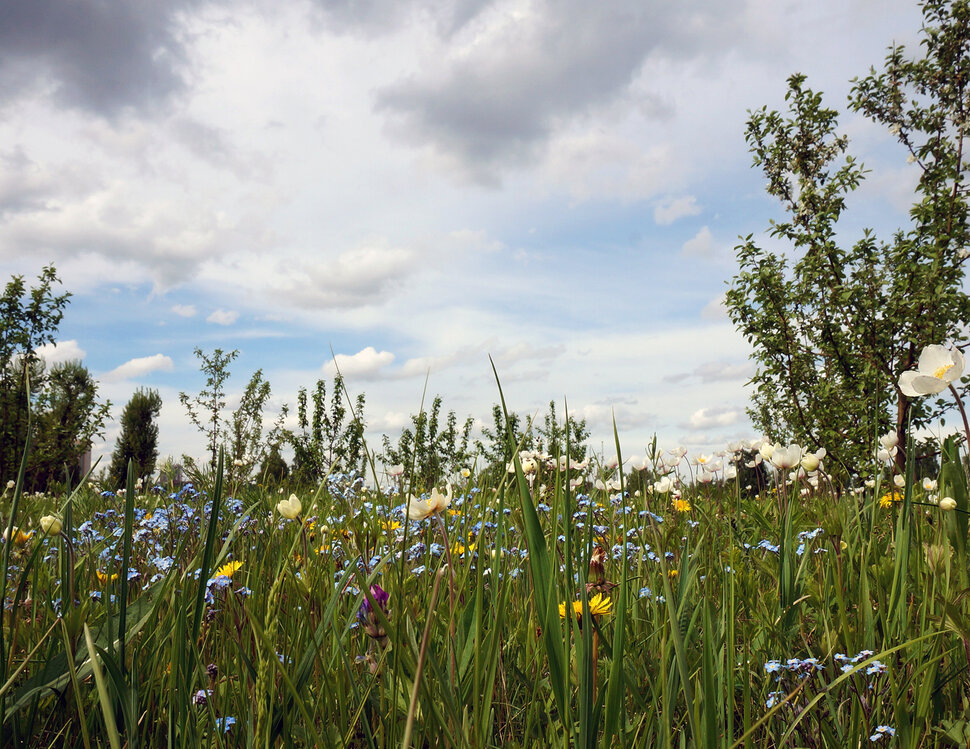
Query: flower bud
{"type": "Point", "coordinates": [51, 525]}
{"type": "Point", "coordinates": [947, 504]}
{"type": "Point", "coordinates": [289, 508]}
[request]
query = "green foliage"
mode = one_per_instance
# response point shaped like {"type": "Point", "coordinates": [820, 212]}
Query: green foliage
{"type": "Point", "coordinates": [327, 437]}
{"type": "Point", "coordinates": [435, 453]}
{"type": "Point", "coordinates": [29, 318]}
{"type": "Point", "coordinates": [68, 416]}
{"type": "Point", "coordinates": [247, 448]}
{"type": "Point", "coordinates": [206, 408]}
{"type": "Point", "coordinates": [273, 470]}
{"type": "Point", "coordinates": [138, 440]}
{"type": "Point", "coordinates": [834, 324]}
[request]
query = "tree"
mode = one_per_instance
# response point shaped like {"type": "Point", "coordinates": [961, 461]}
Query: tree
{"type": "Point", "coordinates": [834, 327]}
{"type": "Point", "coordinates": [327, 438]}
{"type": "Point", "coordinates": [247, 447]}
{"type": "Point", "coordinates": [205, 409]}
{"type": "Point", "coordinates": [28, 319]}
{"type": "Point", "coordinates": [433, 452]}
{"type": "Point", "coordinates": [552, 435]}
{"type": "Point", "coordinates": [138, 440]}
{"type": "Point", "coordinates": [68, 416]}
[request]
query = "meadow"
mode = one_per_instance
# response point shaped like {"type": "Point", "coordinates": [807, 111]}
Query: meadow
{"type": "Point", "coordinates": [653, 601]}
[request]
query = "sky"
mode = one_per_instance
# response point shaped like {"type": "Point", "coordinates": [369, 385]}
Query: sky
{"type": "Point", "coordinates": [413, 186]}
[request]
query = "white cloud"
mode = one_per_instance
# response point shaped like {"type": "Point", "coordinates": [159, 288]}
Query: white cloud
{"type": "Point", "coordinates": [184, 310]}
{"type": "Point", "coordinates": [61, 351]}
{"type": "Point", "coordinates": [223, 317]}
{"type": "Point", "coordinates": [366, 364]}
{"type": "Point", "coordinates": [671, 209]}
{"type": "Point", "coordinates": [716, 309]}
{"type": "Point", "coordinates": [708, 418]}
{"type": "Point", "coordinates": [139, 367]}
{"type": "Point", "coordinates": [700, 245]}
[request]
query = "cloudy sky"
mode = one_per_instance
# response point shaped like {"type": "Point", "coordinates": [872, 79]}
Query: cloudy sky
{"type": "Point", "coordinates": [415, 185]}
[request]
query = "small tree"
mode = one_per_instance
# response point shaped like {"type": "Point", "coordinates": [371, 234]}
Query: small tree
{"type": "Point", "coordinates": [327, 437]}
{"type": "Point", "coordinates": [205, 409]}
{"type": "Point", "coordinates": [29, 318]}
{"type": "Point", "coordinates": [138, 440]}
{"type": "Point", "coordinates": [68, 416]}
{"type": "Point", "coordinates": [247, 447]}
{"type": "Point", "coordinates": [833, 327]}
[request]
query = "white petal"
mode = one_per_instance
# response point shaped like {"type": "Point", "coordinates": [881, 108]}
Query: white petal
{"type": "Point", "coordinates": [958, 363]}
{"type": "Point", "coordinates": [934, 357]}
{"type": "Point", "coordinates": [928, 385]}
{"type": "Point", "coordinates": [906, 383]}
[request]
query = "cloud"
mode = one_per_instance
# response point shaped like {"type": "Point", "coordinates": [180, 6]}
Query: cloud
{"type": "Point", "coordinates": [716, 309]}
{"type": "Point", "coordinates": [715, 371]}
{"type": "Point", "coordinates": [671, 209]}
{"type": "Point", "coordinates": [139, 368]}
{"type": "Point", "coordinates": [101, 57]}
{"type": "Point", "coordinates": [223, 317]}
{"type": "Point", "coordinates": [516, 74]}
{"type": "Point", "coordinates": [366, 364]}
{"type": "Point", "coordinates": [700, 245]}
{"type": "Point", "coordinates": [184, 310]}
{"type": "Point", "coordinates": [708, 418]}
{"type": "Point", "coordinates": [61, 351]}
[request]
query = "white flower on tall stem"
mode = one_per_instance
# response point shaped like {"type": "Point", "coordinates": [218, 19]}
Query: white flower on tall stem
{"type": "Point", "coordinates": [938, 367]}
{"type": "Point", "coordinates": [419, 509]}
{"type": "Point", "coordinates": [786, 457]}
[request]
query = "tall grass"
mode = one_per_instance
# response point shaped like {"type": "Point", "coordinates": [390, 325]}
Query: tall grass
{"type": "Point", "coordinates": [746, 621]}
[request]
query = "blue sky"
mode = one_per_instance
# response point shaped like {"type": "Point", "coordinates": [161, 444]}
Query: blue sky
{"type": "Point", "coordinates": [417, 185]}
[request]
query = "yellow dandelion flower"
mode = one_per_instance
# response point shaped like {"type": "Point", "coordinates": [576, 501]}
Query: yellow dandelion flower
{"type": "Point", "coordinates": [598, 606]}
{"type": "Point", "coordinates": [228, 569]}
{"type": "Point", "coordinates": [391, 525]}
{"type": "Point", "coordinates": [460, 548]}
{"type": "Point", "coordinates": [887, 499]}
{"type": "Point", "coordinates": [673, 573]}
{"type": "Point", "coordinates": [681, 505]}
{"type": "Point", "coordinates": [104, 577]}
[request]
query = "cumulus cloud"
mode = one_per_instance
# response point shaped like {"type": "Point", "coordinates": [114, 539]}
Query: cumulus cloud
{"type": "Point", "coordinates": [102, 57]}
{"type": "Point", "coordinates": [518, 72]}
{"type": "Point", "coordinates": [701, 245]}
{"type": "Point", "coordinates": [708, 418]}
{"type": "Point", "coordinates": [715, 371]}
{"type": "Point", "coordinates": [670, 209]}
{"type": "Point", "coordinates": [366, 364]}
{"type": "Point", "coordinates": [716, 309]}
{"type": "Point", "coordinates": [223, 317]}
{"type": "Point", "coordinates": [61, 351]}
{"type": "Point", "coordinates": [184, 310]}
{"type": "Point", "coordinates": [140, 367]}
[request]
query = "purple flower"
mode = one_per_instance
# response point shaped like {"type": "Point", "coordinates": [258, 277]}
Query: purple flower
{"type": "Point", "coordinates": [367, 616]}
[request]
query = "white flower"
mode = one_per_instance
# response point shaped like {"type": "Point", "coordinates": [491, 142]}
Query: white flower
{"type": "Point", "coordinates": [289, 508]}
{"type": "Point", "coordinates": [786, 457]}
{"type": "Point", "coordinates": [465, 473]}
{"type": "Point", "coordinates": [664, 485]}
{"type": "Point", "coordinates": [929, 484]}
{"type": "Point", "coordinates": [889, 440]}
{"type": "Point", "coordinates": [419, 509]}
{"type": "Point", "coordinates": [766, 450]}
{"type": "Point", "coordinates": [899, 481]}
{"type": "Point", "coordinates": [730, 472]}
{"type": "Point", "coordinates": [11, 484]}
{"type": "Point", "coordinates": [938, 367]}
{"type": "Point", "coordinates": [395, 470]}
{"type": "Point", "coordinates": [947, 504]}
{"type": "Point", "coordinates": [811, 461]}
{"type": "Point", "coordinates": [870, 483]}
{"type": "Point", "coordinates": [50, 524]}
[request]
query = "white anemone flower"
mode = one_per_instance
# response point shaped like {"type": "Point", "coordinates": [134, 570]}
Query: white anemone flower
{"type": "Point", "coordinates": [664, 485]}
{"type": "Point", "coordinates": [938, 367]}
{"type": "Point", "coordinates": [419, 509]}
{"type": "Point", "coordinates": [786, 457]}
{"type": "Point", "coordinates": [929, 484]}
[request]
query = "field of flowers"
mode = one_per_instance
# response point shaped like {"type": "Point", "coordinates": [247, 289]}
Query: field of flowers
{"type": "Point", "coordinates": [658, 600]}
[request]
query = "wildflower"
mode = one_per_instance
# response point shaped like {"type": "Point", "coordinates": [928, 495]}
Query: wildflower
{"type": "Point", "coordinates": [882, 732]}
{"type": "Point", "coordinates": [419, 509]}
{"type": "Point", "coordinates": [228, 569]}
{"type": "Point", "coordinates": [681, 505]}
{"type": "Point", "coordinates": [786, 457]}
{"type": "Point", "coordinates": [369, 619]}
{"type": "Point", "coordinates": [104, 577]}
{"type": "Point", "coordinates": [395, 470]}
{"type": "Point", "coordinates": [812, 461]}
{"type": "Point", "coordinates": [938, 367]}
{"type": "Point", "coordinates": [19, 537]}
{"type": "Point", "coordinates": [887, 499]}
{"type": "Point", "coordinates": [664, 485]}
{"type": "Point", "coordinates": [598, 606]}
{"type": "Point", "coordinates": [51, 525]}
{"type": "Point", "coordinates": [289, 508]}
{"type": "Point", "coordinates": [929, 484]}
{"type": "Point", "coordinates": [947, 504]}
{"type": "Point", "coordinates": [11, 484]}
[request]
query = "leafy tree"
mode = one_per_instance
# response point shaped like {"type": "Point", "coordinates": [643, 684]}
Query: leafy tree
{"type": "Point", "coordinates": [274, 469]}
{"type": "Point", "coordinates": [327, 436]}
{"type": "Point", "coordinates": [832, 323]}
{"type": "Point", "coordinates": [29, 318]}
{"type": "Point", "coordinates": [433, 451]}
{"type": "Point", "coordinates": [551, 436]}
{"type": "Point", "coordinates": [206, 408]}
{"type": "Point", "coordinates": [247, 446]}
{"type": "Point", "coordinates": [138, 440]}
{"type": "Point", "coordinates": [494, 445]}
{"type": "Point", "coordinates": [68, 417]}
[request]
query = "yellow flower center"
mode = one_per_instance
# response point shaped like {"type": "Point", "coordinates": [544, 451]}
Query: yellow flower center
{"type": "Point", "coordinates": [938, 374]}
